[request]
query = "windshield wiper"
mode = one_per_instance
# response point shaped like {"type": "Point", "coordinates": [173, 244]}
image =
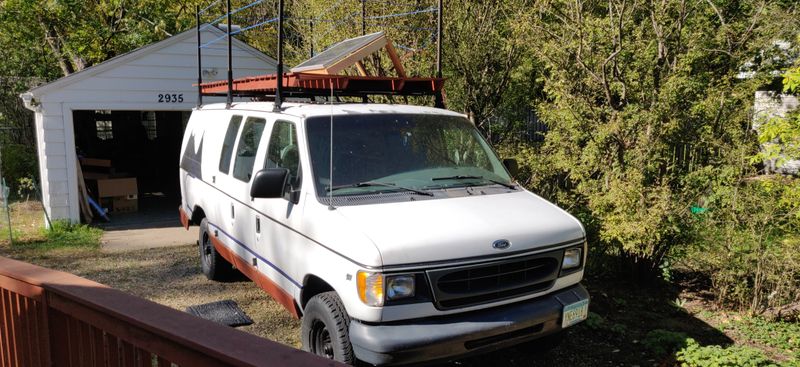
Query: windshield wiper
{"type": "Point", "coordinates": [377, 183]}
{"type": "Point", "coordinates": [469, 177]}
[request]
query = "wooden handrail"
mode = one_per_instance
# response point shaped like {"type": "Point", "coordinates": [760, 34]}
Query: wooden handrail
{"type": "Point", "coordinates": [91, 316]}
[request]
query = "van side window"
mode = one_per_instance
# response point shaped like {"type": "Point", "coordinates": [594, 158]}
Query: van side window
{"type": "Point", "coordinates": [227, 144]}
{"type": "Point", "coordinates": [248, 145]}
{"type": "Point", "coordinates": [283, 152]}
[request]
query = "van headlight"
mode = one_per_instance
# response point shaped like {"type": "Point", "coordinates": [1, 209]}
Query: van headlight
{"type": "Point", "coordinates": [375, 288]}
{"type": "Point", "coordinates": [572, 258]}
{"type": "Point", "coordinates": [399, 287]}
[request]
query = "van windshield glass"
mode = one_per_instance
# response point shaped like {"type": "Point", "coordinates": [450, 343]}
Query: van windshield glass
{"type": "Point", "coordinates": [399, 152]}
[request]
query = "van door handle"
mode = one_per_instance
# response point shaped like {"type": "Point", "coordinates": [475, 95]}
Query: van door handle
{"type": "Point", "coordinates": [233, 212]}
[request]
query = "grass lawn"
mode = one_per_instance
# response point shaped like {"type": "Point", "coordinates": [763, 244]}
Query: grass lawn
{"type": "Point", "coordinates": [27, 220]}
{"type": "Point", "coordinates": [629, 324]}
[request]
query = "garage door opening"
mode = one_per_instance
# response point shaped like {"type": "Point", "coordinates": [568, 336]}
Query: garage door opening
{"type": "Point", "coordinates": [129, 161]}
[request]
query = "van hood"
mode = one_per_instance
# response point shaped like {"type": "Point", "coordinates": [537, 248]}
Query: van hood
{"type": "Point", "coordinates": [454, 228]}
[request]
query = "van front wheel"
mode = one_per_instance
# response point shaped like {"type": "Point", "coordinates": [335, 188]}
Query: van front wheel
{"type": "Point", "coordinates": [215, 267]}
{"type": "Point", "coordinates": [325, 328]}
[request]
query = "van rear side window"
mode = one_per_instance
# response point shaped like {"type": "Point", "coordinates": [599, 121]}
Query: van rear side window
{"type": "Point", "coordinates": [227, 145]}
{"type": "Point", "coordinates": [248, 146]}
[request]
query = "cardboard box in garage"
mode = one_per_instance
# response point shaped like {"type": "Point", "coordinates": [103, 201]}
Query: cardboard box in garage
{"type": "Point", "coordinates": [112, 187]}
{"type": "Point", "coordinates": [121, 192]}
{"type": "Point", "coordinates": [123, 204]}
{"type": "Point", "coordinates": [120, 204]}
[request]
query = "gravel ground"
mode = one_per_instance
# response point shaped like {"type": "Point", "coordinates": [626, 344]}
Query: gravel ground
{"type": "Point", "coordinates": [172, 277]}
{"type": "Point", "coordinates": [623, 312]}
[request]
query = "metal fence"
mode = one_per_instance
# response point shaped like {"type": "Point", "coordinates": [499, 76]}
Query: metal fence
{"type": "Point", "coordinates": [52, 318]}
{"type": "Point", "coordinates": [5, 209]}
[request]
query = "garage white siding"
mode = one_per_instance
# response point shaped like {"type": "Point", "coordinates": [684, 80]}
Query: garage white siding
{"type": "Point", "coordinates": [137, 81]}
{"type": "Point", "coordinates": [171, 69]}
{"type": "Point", "coordinates": [53, 161]}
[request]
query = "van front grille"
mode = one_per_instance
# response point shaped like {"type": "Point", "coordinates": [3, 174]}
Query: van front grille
{"type": "Point", "coordinates": [489, 282]}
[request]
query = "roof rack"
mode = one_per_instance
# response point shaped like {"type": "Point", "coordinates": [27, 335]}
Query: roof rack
{"type": "Point", "coordinates": [316, 77]}
{"type": "Point", "coordinates": [307, 85]}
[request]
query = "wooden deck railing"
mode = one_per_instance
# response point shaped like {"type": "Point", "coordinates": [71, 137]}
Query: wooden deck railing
{"type": "Point", "coordinates": [52, 318]}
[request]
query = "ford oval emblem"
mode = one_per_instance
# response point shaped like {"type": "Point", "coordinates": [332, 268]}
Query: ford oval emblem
{"type": "Point", "coordinates": [501, 244]}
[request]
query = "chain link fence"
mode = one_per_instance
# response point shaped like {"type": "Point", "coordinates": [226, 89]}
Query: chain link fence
{"type": "Point", "coordinates": [5, 222]}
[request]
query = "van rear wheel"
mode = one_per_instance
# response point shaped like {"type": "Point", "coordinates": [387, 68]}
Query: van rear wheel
{"type": "Point", "coordinates": [215, 267]}
{"type": "Point", "coordinates": [325, 328]}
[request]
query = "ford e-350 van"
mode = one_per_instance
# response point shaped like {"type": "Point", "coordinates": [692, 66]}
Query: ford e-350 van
{"type": "Point", "coordinates": [394, 232]}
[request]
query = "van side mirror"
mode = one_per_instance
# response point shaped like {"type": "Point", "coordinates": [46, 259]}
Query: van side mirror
{"type": "Point", "coordinates": [511, 166]}
{"type": "Point", "coordinates": [269, 183]}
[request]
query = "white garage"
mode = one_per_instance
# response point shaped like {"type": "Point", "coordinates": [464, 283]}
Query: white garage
{"type": "Point", "coordinates": [128, 114]}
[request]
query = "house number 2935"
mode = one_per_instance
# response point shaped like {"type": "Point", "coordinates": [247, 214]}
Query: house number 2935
{"type": "Point", "coordinates": [170, 98]}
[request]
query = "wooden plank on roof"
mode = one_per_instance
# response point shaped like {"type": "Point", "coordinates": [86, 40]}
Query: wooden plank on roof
{"type": "Point", "coordinates": [361, 69]}
{"type": "Point", "coordinates": [351, 59]}
{"type": "Point", "coordinates": [338, 52]}
{"type": "Point", "coordinates": [398, 65]}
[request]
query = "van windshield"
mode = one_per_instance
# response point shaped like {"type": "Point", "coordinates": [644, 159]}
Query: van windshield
{"type": "Point", "coordinates": [393, 152]}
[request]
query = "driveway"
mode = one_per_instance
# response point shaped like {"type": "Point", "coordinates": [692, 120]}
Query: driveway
{"type": "Point", "coordinates": [116, 240]}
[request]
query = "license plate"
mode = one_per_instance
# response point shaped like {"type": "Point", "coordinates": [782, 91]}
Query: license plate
{"type": "Point", "coordinates": [575, 313]}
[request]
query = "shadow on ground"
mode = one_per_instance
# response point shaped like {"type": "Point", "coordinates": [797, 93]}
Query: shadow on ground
{"type": "Point", "coordinates": [619, 332]}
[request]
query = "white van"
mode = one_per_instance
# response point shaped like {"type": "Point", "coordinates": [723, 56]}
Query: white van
{"type": "Point", "coordinates": [419, 246]}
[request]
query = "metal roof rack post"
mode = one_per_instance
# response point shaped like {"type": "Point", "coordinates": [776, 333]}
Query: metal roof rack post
{"type": "Point", "coordinates": [311, 30]}
{"type": "Point", "coordinates": [199, 60]}
{"type": "Point", "coordinates": [279, 71]}
{"type": "Point", "coordinates": [439, 101]}
{"type": "Point", "coordinates": [364, 99]}
{"type": "Point", "coordinates": [363, 17]}
{"type": "Point", "coordinates": [230, 58]}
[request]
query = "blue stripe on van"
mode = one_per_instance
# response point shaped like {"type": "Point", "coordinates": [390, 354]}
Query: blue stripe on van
{"type": "Point", "coordinates": [258, 256]}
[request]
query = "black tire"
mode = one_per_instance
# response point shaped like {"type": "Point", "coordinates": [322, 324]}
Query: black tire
{"type": "Point", "coordinates": [325, 328]}
{"type": "Point", "coordinates": [215, 267]}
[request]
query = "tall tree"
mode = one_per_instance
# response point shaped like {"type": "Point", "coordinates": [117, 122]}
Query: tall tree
{"type": "Point", "coordinates": [75, 34]}
{"type": "Point", "coordinates": [645, 108]}
{"type": "Point", "coordinates": [45, 39]}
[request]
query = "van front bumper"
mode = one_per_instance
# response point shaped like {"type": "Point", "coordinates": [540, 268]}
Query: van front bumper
{"type": "Point", "coordinates": [455, 335]}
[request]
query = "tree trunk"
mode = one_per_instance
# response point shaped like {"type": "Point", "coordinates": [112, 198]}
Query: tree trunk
{"type": "Point", "coordinates": [55, 43]}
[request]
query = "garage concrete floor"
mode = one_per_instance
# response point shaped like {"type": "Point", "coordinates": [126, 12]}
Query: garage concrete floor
{"type": "Point", "coordinates": [156, 224]}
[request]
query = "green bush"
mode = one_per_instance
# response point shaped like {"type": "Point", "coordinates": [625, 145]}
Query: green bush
{"type": "Point", "coordinates": [695, 355]}
{"type": "Point", "coordinates": [26, 187]}
{"type": "Point", "coordinates": [19, 161]}
{"type": "Point", "coordinates": [747, 243]}
{"type": "Point", "coordinates": [663, 342]}
{"type": "Point", "coordinates": [783, 336]}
